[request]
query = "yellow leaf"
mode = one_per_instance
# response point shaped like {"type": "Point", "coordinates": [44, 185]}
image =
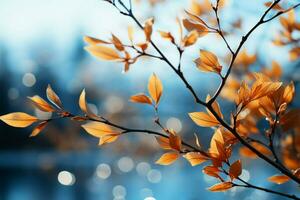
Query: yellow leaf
{"type": "Point", "coordinates": [195, 158]}
{"type": "Point", "coordinates": [220, 187]}
{"type": "Point", "coordinates": [102, 52]}
{"type": "Point", "coordinates": [168, 158]}
{"type": "Point", "coordinates": [107, 139]}
{"type": "Point", "coordinates": [208, 62]}
{"type": "Point", "coordinates": [203, 119]}
{"type": "Point", "coordinates": [99, 129]}
{"type": "Point", "coordinates": [155, 88]}
{"type": "Point", "coordinates": [235, 169]}
{"type": "Point", "coordinates": [190, 39]}
{"type": "Point", "coordinates": [94, 41]}
{"type": "Point", "coordinates": [148, 29]}
{"type": "Point", "coordinates": [18, 119]}
{"type": "Point", "coordinates": [163, 142]}
{"type": "Point", "coordinates": [83, 105]}
{"type": "Point", "coordinates": [175, 141]}
{"type": "Point", "coordinates": [53, 98]}
{"type": "Point", "coordinates": [167, 35]}
{"type": "Point", "coordinates": [41, 104]}
{"type": "Point", "coordinates": [141, 98]}
{"type": "Point", "coordinates": [278, 179]}
{"type": "Point", "coordinates": [190, 26]}
{"type": "Point", "coordinates": [117, 43]}
{"type": "Point", "coordinates": [38, 128]}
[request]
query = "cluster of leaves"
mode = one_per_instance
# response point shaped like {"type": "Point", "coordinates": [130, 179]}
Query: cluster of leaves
{"type": "Point", "coordinates": [258, 95]}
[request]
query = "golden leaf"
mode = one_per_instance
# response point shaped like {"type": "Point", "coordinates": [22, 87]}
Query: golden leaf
{"type": "Point", "coordinates": [195, 158]}
{"type": "Point", "coordinates": [246, 152]}
{"type": "Point", "coordinates": [190, 39]}
{"type": "Point", "coordinates": [38, 128]}
{"type": "Point", "coordinates": [102, 52]}
{"type": "Point", "coordinates": [94, 41]}
{"type": "Point", "coordinates": [83, 105]}
{"type": "Point", "coordinates": [41, 104]}
{"type": "Point", "coordinates": [168, 158]}
{"type": "Point", "coordinates": [141, 98]}
{"type": "Point", "coordinates": [163, 142]}
{"type": "Point", "coordinates": [245, 59]}
{"type": "Point", "coordinates": [235, 169]}
{"type": "Point", "coordinates": [117, 43]}
{"type": "Point", "coordinates": [208, 62]}
{"type": "Point", "coordinates": [220, 187]}
{"type": "Point", "coordinates": [155, 88]}
{"type": "Point", "coordinates": [212, 171]}
{"type": "Point", "coordinates": [190, 26]}
{"type": "Point", "coordinates": [148, 29]}
{"type": "Point", "coordinates": [53, 98]}
{"type": "Point", "coordinates": [175, 141]}
{"type": "Point", "coordinates": [98, 129]}
{"type": "Point", "coordinates": [203, 119]}
{"type": "Point", "coordinates": [107, 139]}
{"type": "Point", "coordinates": [18, 119]}
{"type": "Point", "coordinates": [167, 35]}
{"type": "Point", "coordinates": [130, 33]}
{"type": "Point", "coordinates": [279, 179]}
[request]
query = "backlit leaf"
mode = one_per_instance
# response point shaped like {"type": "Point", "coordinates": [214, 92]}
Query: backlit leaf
{"type": "Point", "coordinates": [107, 139]}
{"type": "Point", "coordinates": [235, 169]}
{"type": "Point", "coordinates": [104, 53]}
{"type": "Point", "coordinates": [84, 106]}
{"type": "Point", "coordinates": [155, 88]}
{"type": "Point", "coordinates": [94, 41]}
{"type": "Point", "coordinates": [220, 187]}
{"type": "Point", "coordinates": [208, 62]}
{"type": "Point", "coordinates": [190, 39]}
{"type": "Point", "coordinates": [278, 179]}
{"type": "Point", "coordinates": [18, 119]}
{"type": "Point", "coordinates": [141, 98]}
{"type": "Point", "coordinates": [148, 29]}
{"type": "Point", "coordinates": [41, 104]}
{"type": "Point", "coordinates": [195, 158]}
{"type": "Point", "coordinates": [168, 158]}
{"type": "Point", "coordinates": [163, 142]}
{"type": "Point", "coordinates": [53, 98]}
{"type": "Point", "coordinates": [38, 128]}
{"type": "Point", "coordinates": [203, 119]}
{"type": "Point", "coordinates": [175, 141]}
{"type": "Point", "coordinates": [99, 129]}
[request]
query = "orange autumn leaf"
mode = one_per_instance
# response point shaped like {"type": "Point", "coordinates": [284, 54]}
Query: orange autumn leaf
{"type": "Point", "coordinates": [175, 141]}
{"type": "Point", "coordinates": [208, 62]}
{"type": "Point", "coordinates": [107, 139]}
{"type": "Point", "coordinates": [38, 128]}
{"type": "Point", "coordinates": [104, 53]}
{"type": "Point", "coordinates": [220, 187]}
{"type": "Point", "coordinates": [195, 158]}
{"type": "Point", "coordinates": [155, 88]}
{"type": "Point", "coordinates": [98, 129]}
{"type": "Point", "coordinates": [41, 104]}
{"type": "Point", "coordinates": [276, 7]}
{"type": "Point", "coordinates": [212, 171]}
{"type": "Point", "coordinates": [278, 179]}
{"type": "Point", "coordinates": [18, 119]}
{"type": "Point", "coordinates": [167, 36]}
{"type": "Point", "coordinates": [117, 43]}
{"type": "Point", "coordinates": [190, 39]}
{"type": "Point", "coordinates": [204, 119]}
{"type": "Point", "coordinates": [190, 26]}
{"type": "Point", "coordinates": [148, 29]}
{"type": "Point", "coordinates": [94, 41]}
{"type": "Point", "coordinates": [141, 98]}
{"type": "Point", "coordinates": [53, 97]}
{"type": "Point", "coordinates": [84, 106]}
{"type": "Point", "coordinates": [168, 158]}
{"type": "Point", "coordinates": [246, 152]}
{"type": "Point", "coordinates": [163, 142]}
{"type": "Point", "coordinates": [235, 169]}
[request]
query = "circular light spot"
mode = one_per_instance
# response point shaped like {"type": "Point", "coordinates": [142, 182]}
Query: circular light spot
{"type": "Point", "coordinates": [113, 104]}
{"type": "Point", "coordinates": [125, 164]}
{"type": "Point", "coordinates": [174, 123]}
{"type": "Point", "coordinates": [119, 191]}
{"type": "Point", "coordinates": [103, 171]}
{"type": "Point", "coordinates": [13, 93]}
{"type": "Point", "coordinates": [146, 192]}
{"type": "Point", "coordinates": [143, 168]}
{"type": "Point", "coordinates": [29, 79]}
{"type": "Point", "coordinates": [66, 178]}
{"type": "Point", "coordinates": [245, 175]}
{"type": "Point", "coordinates": [154, 176]}
{"type": "Point", "coordinates": [149, 198]}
